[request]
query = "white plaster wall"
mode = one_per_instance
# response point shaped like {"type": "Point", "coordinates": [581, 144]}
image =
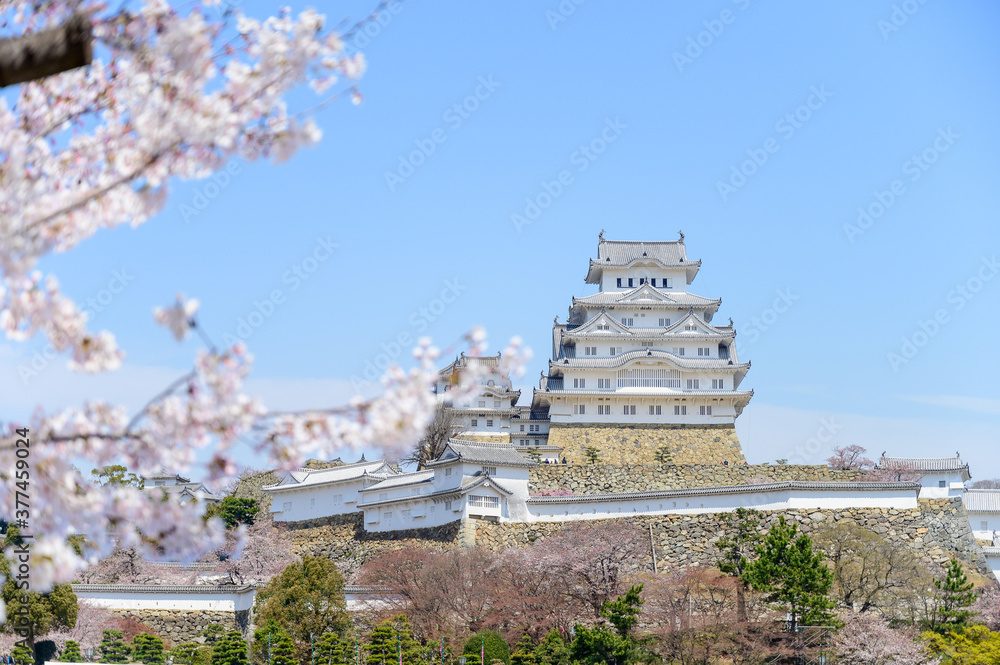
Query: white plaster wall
{"type": "Point", "coordinates": [561, 409]}
{"type": "Point", "coordinates": [775, 500]}
{"type": "Point", "coordinates": [609, 278]}
{"type": "Point", "coordinates": [930, 485]}
{"type": "Point", "coordinates": [312, 502]}
{"type": "Point", "coordinates": [992, 525]}
{"type": "Point", "coordinates": [434, 514]}
{"type": "Point", "coordinates": [994, 562]}
{"type": "Point", "coordinates": [164, 601]}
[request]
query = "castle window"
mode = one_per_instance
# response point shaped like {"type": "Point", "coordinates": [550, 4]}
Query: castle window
{"type": "Point", "coordinates": [718, 384]}
{"type": "Point", "coordinates": [704, 351]}
{"type": "Point", "coordinates": [619, 282]}
{"type": "Point", "coordinates": [664, 323]}
{"type": "Point", "coordinates": [706, 410]}
{"type": "Point", "coordinates": [655, 410]}
{"type": "Point", "coordinates": [603, 384]}
{"type": "Point", "coordinates": [522, 428]}
{"type": "Point", "coordinates": [667, 282]}
{"type": "Point", "coordinates": [492, 502]}
{"type": "Point", "coordinates": [579, 383]}
{"type": "Point", "coordinates": [405, 514]}
{"type": "Point", "coordinates": [649, 378]}
{"type": "Point", "coordinates": [984, 526]}
{"type": "Point", "coordinates": [447, 471]}
{"type": "Point", "coordinates": [627, 321]}
{"type": "Point", "coordinates": [286, 506]}
{"type": "Point", "coordinates": [492, 470]}
{"type": "Point", "coordinates": [489, 423]}
{"type": "Point", "coordinates": [580, 409]}
{"type": "Point", "coordinates": [496, 404]}
{"type": "Point", "coordinates": [628, 410]}
{"type": "Point", "coordinates": [590, 350]}
{"type": "Point", "coordinates": [680, 410]}
{"type": "Point", "coordinates": [678, 350]}
{"type": "Point", "coordinates": [482, 403]}
{"type": "Point", "coordinates": [692, 384]}
{"type": "Point", "coordinates": [690, 327]}
{"type": "Point", "coordinates": [387, 517]}
{"type": "Point", "coordinates": [475, 422]}
{"type": "Point", "coordinates": [447, 505]}
{"type": "Point", "coordinates": [642, 280]}
{"type": "Point", "coordinates": [630, 281]}
{"type": "Point", "coordinates": [942, 483]}
{"type": "Point", "coordinates": [611, 351]}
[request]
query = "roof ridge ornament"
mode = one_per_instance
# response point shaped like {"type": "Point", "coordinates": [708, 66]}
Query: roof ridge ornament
{"type": "Point", "coordinates": [681, 234]}
{"type": "Point", "coordinates": [600, 236]}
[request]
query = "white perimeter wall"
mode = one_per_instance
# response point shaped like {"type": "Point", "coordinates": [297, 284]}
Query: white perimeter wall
{"type": "Point", "coordinates": [119, 600]}
{"type": "Point", "coordinates": [791, 499]}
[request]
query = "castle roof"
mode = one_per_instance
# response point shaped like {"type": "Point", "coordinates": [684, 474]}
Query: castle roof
{"type": "Point", "coordinates": [490, 362]}
{"type": "Point", "coordinates": [925, 464]}
{"type": "Point", "coordinates": [647, 296]}
{"type": "Point", "coordinates": [477, 452]}
{"type": "Point", "coordinates": [625, 358]}
{"type": "Point", "coordinates": [464, 488]}
{"type": "Point", "coordinates": [312, 477]}
{"type": "Point", "coordinates": [982, 501]}
{"type": "Point", "coordinates": [401, 480]}
{"type": "Point", "coordinates": [622, 253]}
{"type": "Point", "coordinates": [193, 490]}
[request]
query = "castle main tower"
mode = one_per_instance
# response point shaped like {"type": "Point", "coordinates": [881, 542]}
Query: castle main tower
{"type": "Point", "coordinates": [638, 366]}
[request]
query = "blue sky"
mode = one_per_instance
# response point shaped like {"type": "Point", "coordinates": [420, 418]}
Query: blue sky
{"type": "Point", "coordinates": [890, 108]}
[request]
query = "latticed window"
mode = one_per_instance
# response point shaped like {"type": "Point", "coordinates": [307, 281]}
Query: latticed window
{"type": "Point", "coordinates": [649, 378]}
{"type": "Point", "coordinates": [476, 501]}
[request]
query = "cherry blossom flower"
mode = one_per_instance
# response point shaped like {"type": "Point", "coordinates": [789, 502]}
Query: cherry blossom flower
{"type": "Point", "coordinates": [178, 317]}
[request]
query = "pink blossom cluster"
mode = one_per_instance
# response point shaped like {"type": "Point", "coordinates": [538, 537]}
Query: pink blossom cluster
{"type": "Point", "coordinates": [169, 95]}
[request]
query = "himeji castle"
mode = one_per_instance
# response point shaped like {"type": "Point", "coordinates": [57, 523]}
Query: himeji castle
{"type": "Point", "coordinates": [639, 367]}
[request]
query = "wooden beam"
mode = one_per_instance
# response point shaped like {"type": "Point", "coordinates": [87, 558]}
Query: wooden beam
{"type": "Point", "coordinates": [47, 52]}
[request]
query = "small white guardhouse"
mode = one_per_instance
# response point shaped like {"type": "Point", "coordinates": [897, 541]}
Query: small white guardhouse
{"type": "Point", "coordinates": [306, 494]}
{"type": "Point", "coordinates": [983, 509]}
{"type": "Point", "coordinates": [940, 477]}
{"type": "Point", "coordinates": [470, 479]}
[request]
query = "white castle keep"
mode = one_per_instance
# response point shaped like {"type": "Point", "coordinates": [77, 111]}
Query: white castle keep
{"type": "Point", "coordinates": [638, 371]}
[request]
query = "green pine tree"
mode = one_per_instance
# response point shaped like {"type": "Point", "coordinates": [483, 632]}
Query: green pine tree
{"type": "Point", "coordinates": [553, 650]}
{"type": "Point", "coordinates": [71, 653]}
{"type": "Point", "coordinates": [524, 652]}
{"type": "Point", "coordinates": [956, 596]}
{"type": "Point", "coordinates": [230, 649]}
{"type": "Point", "coordinates": [593, 454]}
{"type": "Point", "coordinates": [389, 639]}
{"type": "Point", "coordinates": [272, 644]}
{"type": "Point", "coordinates": [332, 649]}
{"type": "Point", "coordinates": [147, 649]}
{"type": "Point", "coordinates": [496, 648]}
{"type": "Point", "coordinates": [22, 655]}
{"type": "Point", "coordinates": [113, 648]}
{"type": "Point", "coordinates": [793, 575]}
{"type": "Point", "coordinates": [662, 455]}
